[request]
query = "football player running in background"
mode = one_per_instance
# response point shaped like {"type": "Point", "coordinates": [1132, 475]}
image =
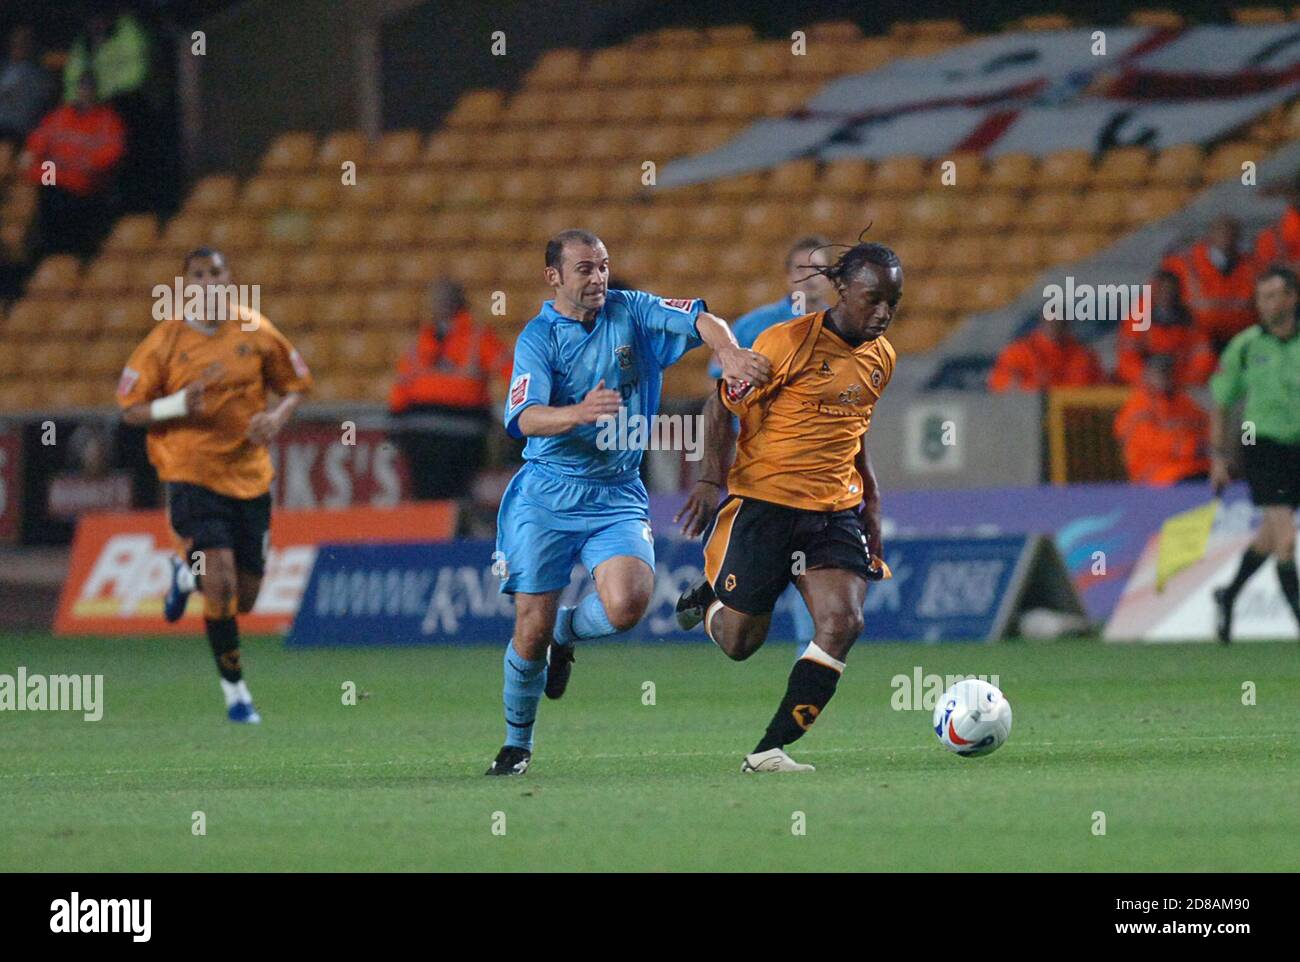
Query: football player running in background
{"type": "Point", "coordinates": [803, 502]}
{"type": "Point", "coordinates": [199, 384]}
{"type": "Point", "coordinates": [589, 352]}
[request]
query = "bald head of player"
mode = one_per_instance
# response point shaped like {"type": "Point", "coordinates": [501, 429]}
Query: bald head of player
{"type": "Point", "coordinates": [577, 267]}
{"type": "Point", "coordinates": [869, 281]}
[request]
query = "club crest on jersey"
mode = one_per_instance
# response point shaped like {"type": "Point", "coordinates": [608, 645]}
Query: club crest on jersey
{"type": "Point", "coordinates": [876, 377]}
{"type": "Point", "coordinates": [242, 350]}
{"type": "Point", "coordinates": [682, 304]}
{"type": "Point", "coordinates": [127, 381]}
{"type": "Point", "coordinates": [730, 583]}
{"type": "Point", "coordinates": [623, 354]}
{"type": "Point", "coordinates": [851, 395]}
{"type": "Point", "coordinates": [519, 390]}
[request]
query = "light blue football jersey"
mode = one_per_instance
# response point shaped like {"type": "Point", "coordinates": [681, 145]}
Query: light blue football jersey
{"type": "Point", "coordinates": [636, 336]}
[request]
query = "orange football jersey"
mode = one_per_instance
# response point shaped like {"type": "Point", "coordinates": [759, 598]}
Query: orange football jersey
{"type": "Point", "coordinates": [800, 433]}
{"type": "Point", "coordinates": [211, 449]}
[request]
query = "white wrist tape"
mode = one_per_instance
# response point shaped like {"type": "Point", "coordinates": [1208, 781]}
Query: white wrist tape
{"type": "Point", "coordinates": [168, 408]}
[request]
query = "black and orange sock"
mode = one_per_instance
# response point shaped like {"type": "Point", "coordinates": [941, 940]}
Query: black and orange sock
{"type": "Point", "coordinates": [811, 685]}
{"type": "Point", "coordinates": [223, 636]}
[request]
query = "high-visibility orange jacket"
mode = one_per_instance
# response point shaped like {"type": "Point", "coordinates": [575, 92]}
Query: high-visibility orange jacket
{"type": "Point", "coordinates": [1280, 242]}
{"type": "Point", "coordinates": [85, 146]}
{"type": "Point", "coordinates": [1194, 359]}
{"type": "Point", "coordinates": [1036, 362]}
{"type": "Point", "coordinates": [1164, 438]}
{"type": "Point", "coordinates": [453, 370]}
{"type": "Point", "coordinates": [1222, 305]}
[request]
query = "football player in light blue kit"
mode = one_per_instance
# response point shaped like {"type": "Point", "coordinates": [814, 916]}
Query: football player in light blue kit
{"type": "Point", "coordinates": [578, 498]}
{"type": "Point", "coordinates": [810, 292]}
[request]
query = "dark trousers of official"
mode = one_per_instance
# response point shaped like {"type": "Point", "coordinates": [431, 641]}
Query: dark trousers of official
{"type": "Point", "coordinates": [443, 465]}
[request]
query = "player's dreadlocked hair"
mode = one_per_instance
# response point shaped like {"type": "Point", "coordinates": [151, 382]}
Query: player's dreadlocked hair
{"type": "Point", "coordinates": [855, 257]}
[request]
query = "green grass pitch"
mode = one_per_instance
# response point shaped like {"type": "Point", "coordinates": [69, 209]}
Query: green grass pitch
{"type": "Point", "coordinates": [1156, 737]}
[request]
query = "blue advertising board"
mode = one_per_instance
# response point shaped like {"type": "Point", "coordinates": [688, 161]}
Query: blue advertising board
{"type": "Point", "coordinates": [943, 589]}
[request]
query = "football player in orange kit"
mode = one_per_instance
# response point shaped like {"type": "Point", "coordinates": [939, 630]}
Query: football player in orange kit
{"type": "Point", "coordinates": [199, 383]}
{"type": "Point", "coordinates": [802, 502]}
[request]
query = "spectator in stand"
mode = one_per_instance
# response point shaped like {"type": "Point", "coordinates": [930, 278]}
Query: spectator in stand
{"type": "Point", "coordinates": [1046, 358]}
{"type": "Point", "coordinates": [26, 89]}
{"type": "Point", "coordinates": [1172, 332]}
{"type": "Point", "coordinates": [73, 156]}
{"type": "Point", "coordinates": [1218, 280]}
{"type": "Point", "coordinates": [441, 403]}
{"type": "Point", "coordinates": [1279, 243]}
{"type": "Point", "coordinates": [1164, 433]}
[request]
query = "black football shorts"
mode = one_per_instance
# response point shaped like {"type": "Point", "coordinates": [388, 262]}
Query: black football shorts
{"type": "Point", "coordinates": [753, 549]}
{"type": "Point", "coordinates": [1272, 470]}
{"type": "Point", "coordinates": [206, 519]}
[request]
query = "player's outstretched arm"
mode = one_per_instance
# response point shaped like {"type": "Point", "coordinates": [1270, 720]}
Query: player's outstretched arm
{"type": "Point", "coordinates": [265, 425]}
{"type": "Point", "coordinates": [738, 364]}
{"type": "Point", "coordinates": [186, 402]}
{"type": "Point", "coordinates": [719, 438]}
{"type": "Point", "coordinates": [541, 420]}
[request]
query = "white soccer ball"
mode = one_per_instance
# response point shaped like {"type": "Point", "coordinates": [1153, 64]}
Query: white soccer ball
{"type": "Point", "coordinates": [972, 718]}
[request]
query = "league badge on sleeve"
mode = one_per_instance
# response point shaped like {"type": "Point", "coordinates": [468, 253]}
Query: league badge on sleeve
{"type": "Point", "coordinates": [519, 390]}
{"type": "Point", "coordinates": [127, 381]}
{"type": "Point", "coordinates": [299, 365]}
{"type": "Point", "coordinates": [682, 304]}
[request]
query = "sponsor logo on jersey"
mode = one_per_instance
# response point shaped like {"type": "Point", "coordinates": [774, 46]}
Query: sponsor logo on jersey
{"type": "Point", "coordinates": [519, 390]}
{"type": "Point", "coordinates": [682, 304]}
{"type": "Point", "coordinates": [623, 354]}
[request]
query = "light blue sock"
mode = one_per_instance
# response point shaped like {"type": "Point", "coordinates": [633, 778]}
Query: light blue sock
{"type": "Point", "coordinates": [586, 620]}
{"type": "Point", "coordinates": [525, 681]}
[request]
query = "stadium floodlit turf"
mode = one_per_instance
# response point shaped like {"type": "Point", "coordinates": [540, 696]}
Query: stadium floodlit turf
{"type": "Point", "coordinates": [1155, 737]}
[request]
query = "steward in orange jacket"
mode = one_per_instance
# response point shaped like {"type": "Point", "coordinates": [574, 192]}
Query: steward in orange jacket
{"type": "Point", "coordinates": [1172, 331]}
{"type": "Point", "coordinates": [1048, 357]}
{"type": "Point", "coordinates": [1280, 243]}
{"type": "Point", "coordinates": [1218, 280]}
{"type": "Point", "coordinates": [1165, 434]}
{"type": "Point", "coordinates": [441, 399]}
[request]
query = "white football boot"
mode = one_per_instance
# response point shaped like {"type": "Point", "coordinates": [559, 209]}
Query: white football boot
{"type": "Point", "coordinates": [773, 760]}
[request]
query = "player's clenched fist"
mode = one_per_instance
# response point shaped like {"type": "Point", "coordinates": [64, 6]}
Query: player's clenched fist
{"type": "Point", "coordinates": [600, 402]}
{"type": "Point", "coordinates": [739, 364]}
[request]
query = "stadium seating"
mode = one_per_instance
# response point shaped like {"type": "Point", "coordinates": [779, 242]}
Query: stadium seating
{"type": "Point", "coordinates": [341, 265]}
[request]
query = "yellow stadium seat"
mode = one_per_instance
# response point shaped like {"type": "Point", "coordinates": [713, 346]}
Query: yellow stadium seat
{"type": "Point", "coordinates": [362, 348]}
{"type": "Point", "coordinates": [31, 316]}
{"type": "Point", "coordinates": [1226, 161]}
{"type": "Point", "coordinates": [714, 63]}
{"type": "Point", "coordinates": [316, 349]}
{"type": "Point", "coordinates": [966, 254]}
{"type": "Point", "coordinates": [134, 233]}
{"type": "Point", "coordinates": [340, 147]}
{"type": "Point", "coordinates": [265, 268]}
{"type": "Point", "coordinates": [901, 173]}
{"type": "Point", "coordinates": [265, 192]}
{"type": "Point", "coordinates": [108, 274]}
{"type": "Point", "coordinates": [608, 67]}
{"type": "Point", "coordinates": [158, 269]}
{"type": "Point", "coordinates": [312, 270]}
{"type": "Point", "coordinates": [56, 275]}
{"type": "Point", "coordinates": [393, 229]}
{"type": "Point", "coordinates": [1155, 203]}
{"type": "Point", "coordinates": [497, 225]}
{"type": "Point", "coordinates": [291, 312]}
{"type": "Point", "coordinates": [664, 141]}
{"type": "Point", "coordinates": [338, 310]}
{"type": "Point", "coordinates": [235, 233]}
{"type": "Point", "coordinates": [1011, 172]}
{"type": "Point", "coordinates": [1256, 16]}
{"type": "Point", "coordinates": [1161, 19]}
{"type": "Point", "coordinates": [415, 190]}
{"type": "Point", "coordinates": [763, 290]}
{"type": "Point", "coordinates": [524, 188]}
{"type": "Point", "coordinates": [1178, 165]}
{"type": "Point", "coordinates": [1044, 21]}
{"type": "Point", "coordinates": [1065, 168]}
{"type": "Point", "coordinates": [741, 101]}
{"type": "Point", "coordinates": [371, 192]}
{"type": "Point", "coordinates": [965, 175]}
{"type": "Point", "coordinates": [393, 306]}
{"type": "Point", "coordinates": [763, 60]}
{"type": "Point", "coordinates": [363, 269]}
{"type": "Point", "coordinates": [530, 108]}
{"type": "Point", "coordinates": [342, 229]}
{"type": "Point", "coordinates": [450, 148]}
{"type": "Point", "coordinates": [215, 193]}
{"type": "Point", "coordinates": [450, 227]}
{"type": "Point", "coordinates": [917, 254]}
{"type": "Point", "coordinates": [127, 316]}
{"type": "Point", "coordinates": [664, 62]}
{"type": "Point", "coordinates": [929, 213]}
{"type": "Point", "coordinates": [767, 220]}
{"type": "Point", "coordinates": [846, 176]}
{"type": "Point", "coordinates": [730, 34]}
{"type": "Point", "coordinates": [686, 102]}
{"type": "Point", "coordinates": [79, 318]}
{"type": "Point", "coordinates": [677, 37]}
{"type": "Point", "coordinates": [939, 294]}
{"type": "Point", "coordinates": [316, 192]}
{"type": "Point", "coordinates": [794, 178]}
{"type": "Point", "coordinates": [915, 331]}
{"type": "Point", "coordinates": [781, 98]}
{"type": "Point", "coordinates": [476, 109]}
{"type": "Point", "coordinates": [835, 31]}
{"type": "Point", "coordinates": [1075, 245]}
{"type": "Point", "coordinates": [290, 151]}
{"type": "Point", "coordinates": [397, 150]}
{"type": "Point", "coordinates": [613, 222]}
{"type": "Point", "coordinates": [185, 232]}
{"type": "Point", "coordinates": [1123, 167]}
{"type": "Point", "coordinates": [990, 212]}
{"type": "Point", "coordinates": [555, 69]}
{"type": "Point", "coordinates": [740, 187]}
{"type": "Point", "coordinates": [552, 148]}
{"type": "Point", "coordinates": [470, 188]}
{"type": "Point", "coordinates": [1050, 210]}
{"type": "Point", "coordinates": [715, 221]}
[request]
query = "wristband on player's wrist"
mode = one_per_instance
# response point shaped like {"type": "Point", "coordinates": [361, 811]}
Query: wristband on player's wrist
{"type": "Point", "coordinates": [169, 408]}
